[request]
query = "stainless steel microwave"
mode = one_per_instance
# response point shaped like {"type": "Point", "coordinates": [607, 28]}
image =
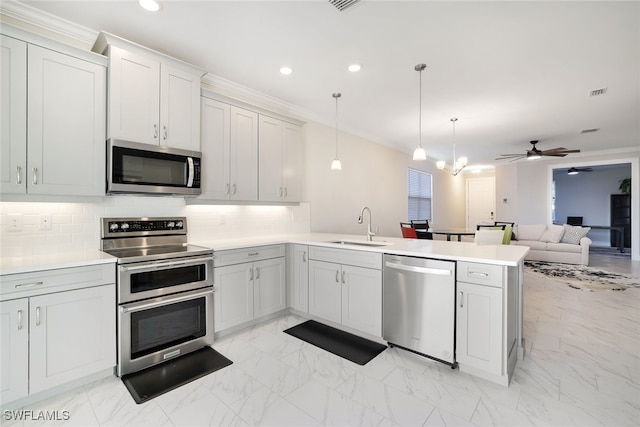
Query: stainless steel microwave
{"type": "Point", "coordinates": [135, 168]}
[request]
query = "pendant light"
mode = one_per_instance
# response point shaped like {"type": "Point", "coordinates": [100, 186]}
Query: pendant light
{"type": "Point", "coordinates": [459, 164]}
{"type": "Point", "coordinates": [419, 153]}
{"type": "Point", "coordinates": [335, 164]}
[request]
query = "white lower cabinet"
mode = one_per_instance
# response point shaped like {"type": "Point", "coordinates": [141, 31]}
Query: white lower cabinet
{"type": "Point", "coordinates": [49, 340]}
{"type": "Point", "coordinates": [479, 327]}
{"type": "Point", "coordinates": [347, 292]}
{"type": "Point", "coordinates": [298, 259]}
{"type": "Point", "coordinates": [248, 290]}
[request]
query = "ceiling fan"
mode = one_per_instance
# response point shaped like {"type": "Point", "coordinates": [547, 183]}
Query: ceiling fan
{"type": "Point", "coordinates": [535, 153]}
{"type": "Point", "coordinates": [575, 171]}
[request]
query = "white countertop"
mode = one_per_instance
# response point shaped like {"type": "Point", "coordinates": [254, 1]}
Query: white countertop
{"type": "Point", "coordinates": [17, 260]}
{"type": "Point", "coordinates": [509, 255]}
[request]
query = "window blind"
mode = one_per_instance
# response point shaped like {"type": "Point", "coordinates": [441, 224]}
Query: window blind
{"type": "Point", "coordinates": [419, 185]}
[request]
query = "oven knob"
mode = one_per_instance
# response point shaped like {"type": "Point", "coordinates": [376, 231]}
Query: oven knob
{"type": "Point", "coordinates": [171, 224]}
{"type": "Point", "coordinates": [179, 224]}
{"type": "Point", "coordinates": [113, 226]}
{"type": "Point", "coordinates": [124, 226]}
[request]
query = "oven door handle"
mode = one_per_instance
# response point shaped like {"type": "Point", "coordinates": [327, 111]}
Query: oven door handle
{"type": "Point", "coordinates": [152, 266]}
{"type": "Point", "coordinates": [139, 306]}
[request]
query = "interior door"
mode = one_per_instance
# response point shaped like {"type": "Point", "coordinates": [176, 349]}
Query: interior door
{"type": "Point", "coordinates": [481, 201]}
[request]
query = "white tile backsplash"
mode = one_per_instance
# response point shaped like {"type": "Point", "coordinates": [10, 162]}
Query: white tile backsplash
{"type": "Point", "coordinates": [76, 226]}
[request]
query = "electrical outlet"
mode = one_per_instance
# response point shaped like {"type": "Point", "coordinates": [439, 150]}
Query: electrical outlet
{"type": "Point", "coordinates": [15, 222]}
{"type": "Point", "coordinates": [45, 221]}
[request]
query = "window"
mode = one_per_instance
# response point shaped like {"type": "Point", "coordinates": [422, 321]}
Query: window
{"type": "Point", "coordinates": [419, 186]}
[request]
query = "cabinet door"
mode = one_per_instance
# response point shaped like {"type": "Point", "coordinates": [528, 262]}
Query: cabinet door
{"type": "Point", "coordinates": [215, 125]}
{"type": "Point", "coordinates": [14, 353]}
{"type": "Point", "coordinates": [269, 287]}
{"type": "Point", "coordinates": [179, 108]}
{"type": "Point", "coordinates": [243, 157]}
{"type": "Point", "coordinates": [66, 124]}
{"type": "Point", "coordinates": [270, 178]}
{"type": "Point", "coordinates": [233, 297]}
{"type": "Point", "coordinates": [362, 299]}
{"type": "Point", "coordinates": [13, 111]}
{"type": "Point", "coordinates": [479, 327]}
{"type": "Point", "coordinates": [300, 278]}
{"type": "Point", "coordinates": [291, 161]}
{"type": "Point", "coordinates": [134, 96]}
{"type": "Point", "coordinates": [73, 334]}
{"type": "Point", "coordinates": [325, 290]}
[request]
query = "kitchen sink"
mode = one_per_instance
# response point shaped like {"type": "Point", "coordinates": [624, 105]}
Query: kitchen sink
{"type": "Point", "coordinates": [360, 243]}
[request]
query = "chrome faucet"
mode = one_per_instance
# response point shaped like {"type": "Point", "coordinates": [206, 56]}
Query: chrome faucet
{"type": "Point", "coordinates": [370, 233]}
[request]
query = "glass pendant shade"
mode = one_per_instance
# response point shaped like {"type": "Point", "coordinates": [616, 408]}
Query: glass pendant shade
{"type": "Point", "coordinates": [419, 154]}
{"type": "Point", "coordinates": [336, 165]}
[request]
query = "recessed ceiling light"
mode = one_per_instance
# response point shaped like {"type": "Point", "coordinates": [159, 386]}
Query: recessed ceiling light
{"type": "Point", "coordinates": [286, 70]}
{"type": "Point", "coordinates": [354, 68]}
{"type": "Point", "coordinates": [150, 5]}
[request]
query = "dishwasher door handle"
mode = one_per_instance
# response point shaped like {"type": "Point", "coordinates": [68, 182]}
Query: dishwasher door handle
{"type": "Point", "coordinates": [416, 269]}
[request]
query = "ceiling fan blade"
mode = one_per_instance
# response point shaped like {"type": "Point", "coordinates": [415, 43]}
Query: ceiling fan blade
{"type": "Point", "coordinates": [559, 150]}
{"type": "Point", "coordinates": [554, 154]}
{"type": "Point", "coordinates": [510, 156]}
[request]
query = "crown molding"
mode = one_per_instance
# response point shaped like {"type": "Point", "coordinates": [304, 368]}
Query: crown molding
{"type": "Point", "coordinates": [48, 22]}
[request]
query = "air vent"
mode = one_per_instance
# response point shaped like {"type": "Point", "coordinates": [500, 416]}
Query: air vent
{"type": "Point", "coordinates": [343, 4]}
{"type": "Point", "coordinates": [589, 130]}
{"type": "Point", "coordinates": [598, 92]}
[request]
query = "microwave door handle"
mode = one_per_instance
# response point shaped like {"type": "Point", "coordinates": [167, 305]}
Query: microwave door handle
{"type": "Point", "coordinates": [191, 172]}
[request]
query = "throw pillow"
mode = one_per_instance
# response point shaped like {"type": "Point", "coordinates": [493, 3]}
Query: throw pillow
{"type": "Point", "coordinates": [553, 234]}
{"type": "Point", "coordinates": [573, 234]}
{"type": "Point", "coordinates": [507, 235]}
{"type": "Point", "coordinates": [531, 232]}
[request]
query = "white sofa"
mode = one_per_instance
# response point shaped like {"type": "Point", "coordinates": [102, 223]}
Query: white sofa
{"type": "Point", "coordinates": [554, 243]}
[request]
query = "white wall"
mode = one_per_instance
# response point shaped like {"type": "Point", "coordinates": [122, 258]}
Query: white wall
{"type": "Point", "coordinates": [372, 175]}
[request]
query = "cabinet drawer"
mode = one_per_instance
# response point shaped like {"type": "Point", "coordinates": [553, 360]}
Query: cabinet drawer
{"type": "Point", "coordinates": [48, 281]}
{"type": "Point", "coordinates": [346, 256]}
{"type": "Point", "coordinates": [254, 253]}
{"type": "Point", "coordinates": [481, 274]}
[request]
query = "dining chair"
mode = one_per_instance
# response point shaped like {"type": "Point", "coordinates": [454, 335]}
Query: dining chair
{"type": "Point", "coordinates": [489, 237]}
{"type": "Point", "coordinates": [408, 232]}
{"type": "Point", "coordinates": [420, 224]}
{"type": "Point", "coordinates": [491, 227]}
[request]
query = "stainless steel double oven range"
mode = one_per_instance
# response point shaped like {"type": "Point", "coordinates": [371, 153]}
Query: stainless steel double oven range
{"type": "Point", "coordinates": [165, 290]}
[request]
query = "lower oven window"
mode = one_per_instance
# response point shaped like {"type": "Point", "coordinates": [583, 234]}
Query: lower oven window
{"type": "Point", "coordinates": [162, 327]}
{"type": "Point", "coordinates": [149, 280]}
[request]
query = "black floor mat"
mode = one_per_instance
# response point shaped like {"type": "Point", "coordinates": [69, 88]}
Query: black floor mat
{"type": "Point", "coordinates": [156, 380]}
{"type": "Point", "coordinates": [348, 346]}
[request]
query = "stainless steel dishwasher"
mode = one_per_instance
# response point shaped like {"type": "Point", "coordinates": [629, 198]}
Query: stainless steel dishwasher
{"type": "Point", "coordinates": [418, 306]}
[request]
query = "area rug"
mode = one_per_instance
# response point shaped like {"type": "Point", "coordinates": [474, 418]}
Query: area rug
{"type": "Point", "coordinates": [583, 277]}
{"type": "Point", "coordinates": [348, 346]}
{"type": "Point", "coordinates": [156, 380]}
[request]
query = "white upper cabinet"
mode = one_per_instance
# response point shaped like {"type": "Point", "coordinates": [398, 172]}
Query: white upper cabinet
{"type": "Point", "coordinates": [280, 158]}
{"type": "Point", "coordinates": [13, 110]}
{"type": "Point", "coordinates": [153, 98]}
{"type": "Point", "coordinates": [53, 118]}
{"type": "Point", "coordinates": [229, 151]}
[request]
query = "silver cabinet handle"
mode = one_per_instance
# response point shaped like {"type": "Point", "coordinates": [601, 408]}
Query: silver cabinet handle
{"type": "Point", "coordinates": [337, 276]}
{"type": "Point", "coordinates": [477, 274]}
{"type": "Point", "coordinates": [304, 256]}
{"type": "Point", "coordinates": [19, 319]}
{"type": "Point", "coordinates": [280, 191]}
{"type": "Point", "coordinates": [461, 299]}
{"type": "Point", "coordinates": [18, 174]}
{"type": "Point", "coordinates": [343, 280]}
{"type": "Point", "coordinates": [254, 253]}
{"type": "Point", "coordinates": [227, 189]}
{"type": "Point", "coordinates": [257, 273]}
{"type": "Point", "coordinates": [25, 285]}
{"type": "Point", "coordinates": [35, 176]}
{"type": "Point", "coordinates": [234, 189]}
{"type": "Point", "coordinates": [285, 192]}
{"type": "Point", "coordinates": [250, 274]}
{"type": "Point", "coordinates": [164, 132]}
{"type": "Point", "coordinates": [155, 131]}
{"type": "Point", "coordinates": [37, 316]}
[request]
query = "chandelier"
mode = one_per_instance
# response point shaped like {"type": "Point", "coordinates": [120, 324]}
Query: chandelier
{"type": "Point", "coordinates": [459, 164]}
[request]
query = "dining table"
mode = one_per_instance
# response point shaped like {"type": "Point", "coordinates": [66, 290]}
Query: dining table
{"type": "Point", "coordinates": [459, 232]}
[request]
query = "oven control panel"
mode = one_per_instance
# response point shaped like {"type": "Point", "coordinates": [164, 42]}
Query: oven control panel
{"type": "Point", "coordinates": [119, 227]}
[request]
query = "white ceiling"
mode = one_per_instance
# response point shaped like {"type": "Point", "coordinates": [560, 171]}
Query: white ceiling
{"type": "Point", "coordinates": [509, 71]}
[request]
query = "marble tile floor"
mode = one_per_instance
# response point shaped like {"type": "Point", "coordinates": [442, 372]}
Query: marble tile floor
{"type": "Point", "coordinates": [582, 368]}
